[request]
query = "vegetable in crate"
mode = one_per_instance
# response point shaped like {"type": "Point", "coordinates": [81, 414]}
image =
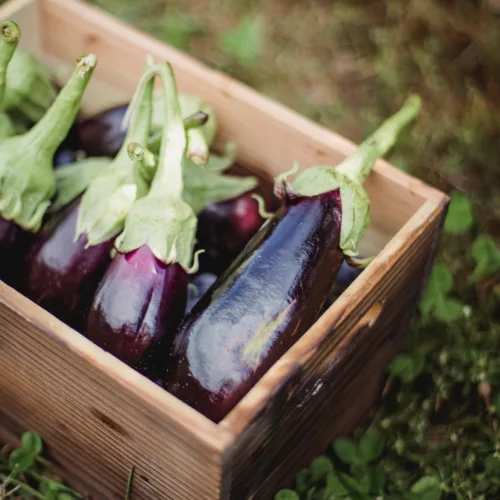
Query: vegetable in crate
{"type": "Point", "coordinates": [70, 256]}
{"type": "Point", "coordinates": [141, 298]}
{"type": "Point", "coordinates": [30, 90]}
{"type": "Point", "coordinates": [27, 182]}
{"type": "Point", "coordinates": [275, 289]}
{"type": "Point", "coordinates": [9, 38]}
{"type": "Point", "coordinates": [102, 134]}
{"type": "Point", "coordinates": [224, 228]}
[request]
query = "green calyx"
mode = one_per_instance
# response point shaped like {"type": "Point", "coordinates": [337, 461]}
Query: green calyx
{"type": "Point", "coordinates": [349, 176]}
{"type": "Point", "coordinates": [9, 38]}
{"type": "Point", "coordinates": [162, 220]}
{"type": "Point", "coordinates": [201, 185]}
{"type": "Point", "coordinates": [199, 139]}
{"type": "Point", "coordinates": [30, 90]}
{"type": "Point", "coordinates": [112, 193]}
{"type": "Point", "coordinates": [27, 181]}
{"type": "Point", "coordinates": [73, 179]}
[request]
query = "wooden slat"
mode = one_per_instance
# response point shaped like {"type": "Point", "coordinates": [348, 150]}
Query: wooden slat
{"type": "Point", "coordinates": [51, 382]}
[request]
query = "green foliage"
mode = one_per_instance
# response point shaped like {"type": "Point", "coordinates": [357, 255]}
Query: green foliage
{"type": "Point", "coordinates": [487, 257]}
{"type": "Point", "coordinates": [25, 473]}
{"type": "Point", "coordinates": [245, 42]}
{"type": "Point", "coordinates": [178, 30]}
{"type": "Point", "coordinates": [407, 367]}
{"type": "Point", "coordinates": [436, 301]}
{"type": "Point", "coordinates": [459, 218]}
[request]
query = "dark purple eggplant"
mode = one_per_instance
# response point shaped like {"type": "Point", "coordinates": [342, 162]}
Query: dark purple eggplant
{"type": "Point", "coordinates": [283, 274]}
{"type": "Point", "coordinates": [275, 289]}
{"type": "Point", "coordinates": [71, 255]}
{"type": "Point", "coordinates": [69, 151]}
{"type": "Point", "coordinates": [346, 275]}
{"type": "Point", "coordinates": [139, 302]}
{"type": "Point", "coordinates": [198, 286]}
{"type": "Point", "coordinates": [61, 274]}
{"type": "Point", "coordinates": [101, 134]}
{"type": "Point", "coordinates": [224, 228]}
{"type": "Point", "coordinates": [27, 181]}
{"type": "Point", "coordinates": [142, 297]}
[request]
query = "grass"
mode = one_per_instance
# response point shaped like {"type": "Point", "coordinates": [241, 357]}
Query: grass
{"type": "Point", "coordinates": [348, 64]}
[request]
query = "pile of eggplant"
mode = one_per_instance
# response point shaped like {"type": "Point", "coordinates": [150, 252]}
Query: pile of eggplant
{"type": "Point", "coordinates": [127, 226]}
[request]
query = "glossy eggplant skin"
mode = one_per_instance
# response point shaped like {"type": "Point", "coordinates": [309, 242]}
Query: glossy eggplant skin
{"type": "Point", "coordinates": [258, 308]}
{"type": "Point", "coordinates": [198, 286]}
{"type": "Point", "coordinates": [60, 274]}
{"type": "Point", "coordinates": [224, 228]}
{"type": "Point", "coordinates": [137, 309]}
{"type": "Point", "coordinates": [100, 135]}
{"type": "Point", "coordinates": [14, 243]}
{"type": "Point", "coordinates": [67, 152]}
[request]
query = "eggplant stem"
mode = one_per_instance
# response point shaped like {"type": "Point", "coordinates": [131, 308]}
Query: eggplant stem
{"type": "Point", "coordinates": [168, 179]}
{"type": "Point", "coordinates": [196, 120]}
{"type": "Point", "coordinates": [196, 262]}
{"type": "Point", "coordinates": [10, 35]}
{"type": "Point", "coordinates": [50, 131]}
{"type": "Point", "coordinates": [262, 206]}
{"type": "Point", "coordinates": [359, 164]}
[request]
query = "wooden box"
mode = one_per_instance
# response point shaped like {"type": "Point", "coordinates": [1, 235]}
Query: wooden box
{"type": "Point", "coordinates": [99, 417]}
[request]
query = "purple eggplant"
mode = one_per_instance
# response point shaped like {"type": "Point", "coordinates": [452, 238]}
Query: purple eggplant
{"type": "Point", "coordinates": [142, 297]}
{"type": "Point", "coordinates": [198, 286]}
{"type": "Point", "coordinates": [224, 228]}
{"type": "Point", "coordinates": [27, 181]}
{"type": "Point", "coordinates": [101, 134]}
{"type": "Point", "coordinates": [69, 151]}
{"type": "Point", "coordinates": [274, 291]}
{"type": "Point", "coordinates": [72, 253]}
{"type": "Point", "coordinates": [61, 274]}
{"type": "Point", "coordinates": [139, 300]}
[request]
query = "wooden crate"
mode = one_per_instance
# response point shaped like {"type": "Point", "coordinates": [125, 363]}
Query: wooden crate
{"type": "Point", "coordinates": [99, 417]}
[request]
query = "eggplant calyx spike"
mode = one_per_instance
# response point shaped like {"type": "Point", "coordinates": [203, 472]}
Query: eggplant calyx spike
{"type": "Point", "coordinates": [27, 180]}
{"type": "Point", "coordinates": [111, 195]}
{"type": "Point", "coordinates": [262, 206]}
{"type": "Point", "coordinates": [350, 174]}
{"type": "Point", "coordinates": [162, 220]}
{"type": "Point", "coordinates": [10, 31]}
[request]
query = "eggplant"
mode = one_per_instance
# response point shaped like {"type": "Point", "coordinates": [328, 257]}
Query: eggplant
{"type": "Point", "coordinates": [101, 134]}
{"type": "Point", "coordinates": [27, 181]}
{"type": "Point", "coordinates": [139, 300]}
{"type": "Point", "coordinates": [61, 273]}
{"type": "Point", "coordinates": [198, 286]}
{"type": "Point", "coordinates": [142, 297]}
{"type": "Point", "coordinates": [69, 151]}
{"type": "Point", "coordinates": [274, 291]}
{"type": "Point", "coordinates": [224, 228]}
{"type": "Point", "coordinates": [70, 256]}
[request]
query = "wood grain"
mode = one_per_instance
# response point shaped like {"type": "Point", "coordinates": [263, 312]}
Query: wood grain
{"type": "Point", "coordinates": [99, 417]}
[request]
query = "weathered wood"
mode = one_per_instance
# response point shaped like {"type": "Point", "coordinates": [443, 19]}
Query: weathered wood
{"type": "Point", "coordinates": [99, 417]}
